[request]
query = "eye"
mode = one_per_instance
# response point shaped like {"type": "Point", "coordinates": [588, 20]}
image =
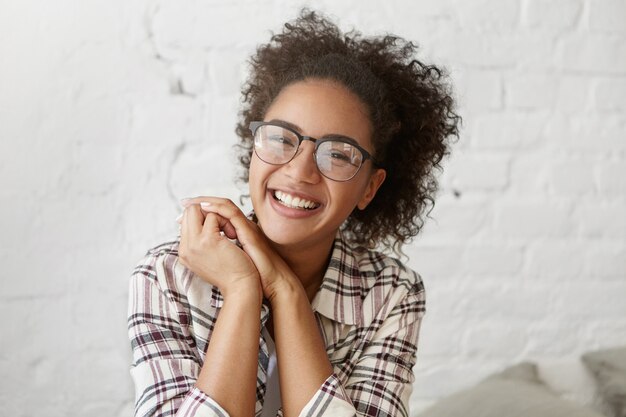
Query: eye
{"type": "Point", "coordinates": [280, 140]}
{"type": "Point", "coordinates": [339, 153]}
{"type": "Point", "coordinates": [340, 156]}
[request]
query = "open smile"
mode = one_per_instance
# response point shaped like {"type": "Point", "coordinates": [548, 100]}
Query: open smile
{"type": "Point", "coordinates": [294, 201]}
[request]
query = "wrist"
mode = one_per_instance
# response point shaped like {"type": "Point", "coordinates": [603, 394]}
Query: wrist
{"type": "Point", "coordinates": [248, 290]}
{"type": "Point", "coordinates": [285, 291]}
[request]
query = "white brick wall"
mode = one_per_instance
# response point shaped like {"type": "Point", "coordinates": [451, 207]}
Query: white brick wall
{"type": "Point", "coordinates": [112, 111]}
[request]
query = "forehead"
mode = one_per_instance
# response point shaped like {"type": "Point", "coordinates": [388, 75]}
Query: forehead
{"type": "Point", "coordinates": [320, 107]}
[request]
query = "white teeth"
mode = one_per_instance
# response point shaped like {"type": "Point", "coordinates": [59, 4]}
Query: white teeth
{"type": "Point", "coordinates": [294, 202]}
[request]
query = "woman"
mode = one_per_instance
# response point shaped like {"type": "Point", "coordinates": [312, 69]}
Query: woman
{"type": "Point", "coordinates": [290, 310]}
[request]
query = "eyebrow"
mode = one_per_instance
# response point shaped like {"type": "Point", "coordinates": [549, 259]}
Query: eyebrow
{"type": "Point", "coordinates": [299, 130]}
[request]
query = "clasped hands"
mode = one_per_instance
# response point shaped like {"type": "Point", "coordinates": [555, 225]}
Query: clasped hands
{"type": "Point", "coordinates": [207, 226]}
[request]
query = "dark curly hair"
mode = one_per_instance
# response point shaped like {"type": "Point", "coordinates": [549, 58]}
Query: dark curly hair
{"type": "Point", "coordinates": [410, 106]}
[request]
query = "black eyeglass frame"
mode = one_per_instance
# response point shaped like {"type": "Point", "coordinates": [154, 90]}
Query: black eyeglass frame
{"type": "Point", "coordinates": [254, 126]}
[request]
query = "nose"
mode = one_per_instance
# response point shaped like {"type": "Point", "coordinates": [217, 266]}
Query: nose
{"type": "Point", "coordinates": [302, 167]}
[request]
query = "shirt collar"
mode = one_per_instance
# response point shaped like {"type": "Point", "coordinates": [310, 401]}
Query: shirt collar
{"type": "Point", "coordinates": [339, 296]}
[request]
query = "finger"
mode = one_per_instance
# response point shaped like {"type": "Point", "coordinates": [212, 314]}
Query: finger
{"type": "Point", "coordinates": [211, 225]}
{"type": "Point", "coordinates": [209, 200]}
{"type": "Point", "coordinates": [228, 210]}
{"type": "Point", "coordinates": [186, 202]}
{"type": "Point", "coordinates": [192, 221]}
{"type": "Point", "coordinates": [238, 226]}
{"type": "Point", "coordinates": [225, 225]}
{"type": "Point", "coordinates": [205, 201]}
{"type": "Point", "coordinates": [229, 230]}
{"type": "Point", "coordinates": [214, 224]}
{"type": "Point", "coordinates": [225, 208]}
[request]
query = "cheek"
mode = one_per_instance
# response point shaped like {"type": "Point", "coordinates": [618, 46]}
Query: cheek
{"type": "Point", "coordinates": [253, 178]}
{"type": "Point", "coordinates": [257, 178]}
{"type": "Point", "coordinates": [359, 192]}
{"type": "Point", "coordinates": [256, 170]}
{"type": "Point", "coordinates": [349, 196]}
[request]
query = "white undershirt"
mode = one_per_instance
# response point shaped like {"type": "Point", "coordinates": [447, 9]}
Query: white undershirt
{"type": "Point", "coordinates": [272, 401]}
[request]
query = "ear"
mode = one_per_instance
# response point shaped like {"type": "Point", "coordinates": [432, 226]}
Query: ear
{"type": "Point", "coordinates": [375, 181]}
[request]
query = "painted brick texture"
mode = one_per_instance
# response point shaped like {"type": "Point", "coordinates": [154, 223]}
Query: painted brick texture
{"type": "Point", "coordinates": [110, 112]}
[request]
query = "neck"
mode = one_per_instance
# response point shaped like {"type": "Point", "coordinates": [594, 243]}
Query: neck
{"type": "Point", "coordinates": [309, 264]}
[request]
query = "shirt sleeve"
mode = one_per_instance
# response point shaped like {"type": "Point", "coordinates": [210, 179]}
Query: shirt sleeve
{"type": "Point", "coordinates": [380, 383]}
{"type": "Point", "coordinates": [165, 366]}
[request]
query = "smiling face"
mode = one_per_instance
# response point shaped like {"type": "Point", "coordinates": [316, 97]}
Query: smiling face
{"type": "Point", "coordinates": [297, 207]}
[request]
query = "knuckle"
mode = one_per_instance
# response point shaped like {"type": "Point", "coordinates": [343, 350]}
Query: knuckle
{"type": "Point", "coordinates": [230, 204]}
{"type": "Point", "coordinates": [211, 217]}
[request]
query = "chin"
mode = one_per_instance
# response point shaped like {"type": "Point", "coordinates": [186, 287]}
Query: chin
{"type": "Point", "coordinates": [280, 238]}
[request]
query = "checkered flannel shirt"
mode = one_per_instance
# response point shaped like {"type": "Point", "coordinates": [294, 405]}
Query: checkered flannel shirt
{"type": "Point", "coordinates": [368, 309]}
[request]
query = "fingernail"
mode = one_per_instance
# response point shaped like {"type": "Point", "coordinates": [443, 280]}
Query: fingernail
{"type": "Point", "coordinates": [205, 205]}
{"type": "Point", "coordinates": [184, 201]}
{"type": "Point", "coordinates": [180, 216]}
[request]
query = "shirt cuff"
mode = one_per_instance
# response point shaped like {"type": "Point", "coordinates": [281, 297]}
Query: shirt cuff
{"type": "Point", "coordinates": [329, 400]}
{"type": "Point", "coordinates": [198, 404]}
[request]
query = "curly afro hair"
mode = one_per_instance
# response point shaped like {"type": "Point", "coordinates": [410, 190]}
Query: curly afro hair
{"type": "Point", "coordinates": [410, 105]}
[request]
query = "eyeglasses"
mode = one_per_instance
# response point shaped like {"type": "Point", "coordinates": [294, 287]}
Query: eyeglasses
{"type": "Point", "coordinates": [338, 158]}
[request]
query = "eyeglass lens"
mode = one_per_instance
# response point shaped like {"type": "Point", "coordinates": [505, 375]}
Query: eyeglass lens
{"type": "Point", "coordinates": [336, 160]}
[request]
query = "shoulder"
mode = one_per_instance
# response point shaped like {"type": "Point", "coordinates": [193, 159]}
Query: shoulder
{"type": "Point", "coordinates": [161, 283]}
{"type": "Point", "coordinates": [166, 248]}
{"type": "Point", "coordinates": [377, 269]}
{"type": "Point", "coordinates": [388, 289]}
{"type": "Point", "coordinates": [160, 268]}
{"type": "Point", "coordinates": [157, 260]}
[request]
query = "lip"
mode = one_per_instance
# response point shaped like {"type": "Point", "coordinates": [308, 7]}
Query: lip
{"type": "Point", "coordinates": [292, 212]}
{"type": "Point", "coordinates": [298, 194]}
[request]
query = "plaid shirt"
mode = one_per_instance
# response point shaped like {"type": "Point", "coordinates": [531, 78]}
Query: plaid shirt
{"type": "Point", "coordinates": [368, 309]}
